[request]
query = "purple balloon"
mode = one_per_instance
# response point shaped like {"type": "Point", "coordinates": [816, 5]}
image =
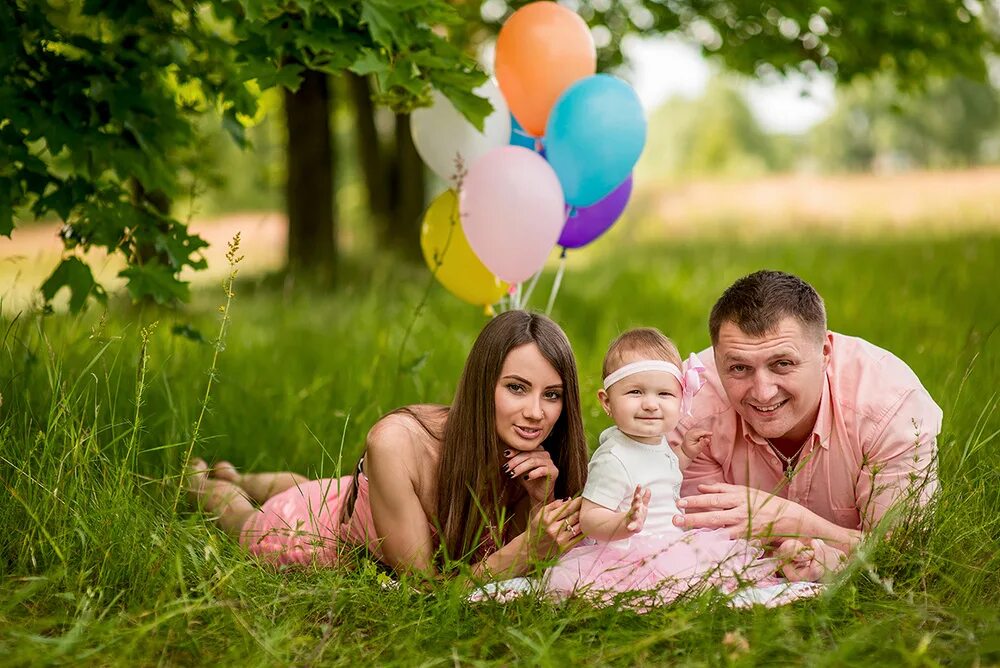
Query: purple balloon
{"type": "Point", "coordinates": [586, 223]}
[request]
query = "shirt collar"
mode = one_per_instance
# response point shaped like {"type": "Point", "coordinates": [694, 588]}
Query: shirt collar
{"type": "Point", "coordinates": [821, 430]}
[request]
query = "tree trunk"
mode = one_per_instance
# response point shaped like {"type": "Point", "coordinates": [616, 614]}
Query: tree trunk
{"type": "Point", "coordinates": [159, 202]}
{"type": "Point", "coordinates": [394, 179]}
{"type": "Point", "coordinates": [309, 191]}
{"type": "Point", "coordinates": [370, 153]}
{"type": "Point", "coordinates": [408, 186]}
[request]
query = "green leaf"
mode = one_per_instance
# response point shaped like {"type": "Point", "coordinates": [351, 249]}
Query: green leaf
{"type": "Point", "coordinates": [474, 108]}
{"type": "Point", "coordinates": [75, 275]}
{"type": "Point", "coordinates": [288, 76]}
{"type": "Point", "coordinates": [236, 130]}
{"type": "Point", "coordinates": [154, 280]}
{"type": "Point", "coordinates": [383, 23]}
{"type": "Point", "coordinates": [369, 63]}
{"type": "Point", "coordinates": [416, 364]}
{"type": "Point", "coordinates": [188, 332]}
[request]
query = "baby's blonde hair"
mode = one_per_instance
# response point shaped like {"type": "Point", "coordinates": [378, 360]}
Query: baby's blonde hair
{"type": "Point", "coordinates": [648, 342]}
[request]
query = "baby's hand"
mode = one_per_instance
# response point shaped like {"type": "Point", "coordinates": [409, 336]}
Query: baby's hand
{"type": "Point", "coordinates": [635, 518]}
{"type": "Point", "coordinates": [695, 441]}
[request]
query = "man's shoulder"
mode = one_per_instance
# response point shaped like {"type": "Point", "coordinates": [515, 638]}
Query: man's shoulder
{"type": "Point", "coordinates": [854, 357]}
{"type": "Point", "coordinates": [866, 377]}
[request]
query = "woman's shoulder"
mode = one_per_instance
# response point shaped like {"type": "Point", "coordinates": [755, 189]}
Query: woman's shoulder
{"type": "Point", "coordinates": [411, 430]}
{"type": "Point", "coordinates": [418, 421]}
{"type": "Point", "coordinates": [405, 444]}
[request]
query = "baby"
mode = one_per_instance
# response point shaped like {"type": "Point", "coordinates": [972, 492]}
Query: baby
{"type": "Point", "coordinates": [633, 485]}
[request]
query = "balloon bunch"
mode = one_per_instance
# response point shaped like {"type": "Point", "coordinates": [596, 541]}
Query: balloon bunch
{"type": "Point", "coordinates": [552, 165]}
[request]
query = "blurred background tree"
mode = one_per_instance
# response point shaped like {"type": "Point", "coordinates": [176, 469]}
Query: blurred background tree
{"type": "Point", "coordinates": [336, 144]}
{"type": "Point", "coordinates": [952, 123]}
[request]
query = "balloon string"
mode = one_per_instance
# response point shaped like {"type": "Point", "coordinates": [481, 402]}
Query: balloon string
{"type": "Point", "coordinates": [531, 288]}
{"type": "Point", "coordinates": [514, 296]}
{"type": "Point", "coordinates": [556, 283]}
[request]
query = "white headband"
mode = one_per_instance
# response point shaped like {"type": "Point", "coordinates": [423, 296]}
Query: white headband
{"type": "Point", "coordinates": [690, 378]}
{"type": "Point", "coordinates": [639, 367]}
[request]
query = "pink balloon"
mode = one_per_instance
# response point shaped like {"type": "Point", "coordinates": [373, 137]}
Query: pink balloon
{"type": "Point", "coordinates": [512, 211]}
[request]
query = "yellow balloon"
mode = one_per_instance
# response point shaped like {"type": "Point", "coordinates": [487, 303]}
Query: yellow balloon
{"type": "Point", "coordinates": [446, 250]}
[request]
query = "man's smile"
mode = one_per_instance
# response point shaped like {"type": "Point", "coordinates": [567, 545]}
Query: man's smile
{"type": "Point", "coordinates": [770, 408]}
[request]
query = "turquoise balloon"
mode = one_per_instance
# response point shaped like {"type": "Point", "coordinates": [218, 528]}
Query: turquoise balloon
{"type": "Point", "coordinates": [519, 136]}
{"type": "Point", "coordinates": [594, 136]}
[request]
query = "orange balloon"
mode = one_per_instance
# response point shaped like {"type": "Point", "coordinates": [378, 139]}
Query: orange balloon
{"type": "Point", "coordinates": [543, 48]}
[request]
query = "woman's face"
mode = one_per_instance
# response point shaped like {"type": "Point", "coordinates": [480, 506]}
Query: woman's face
{"type": "Point", "coordinates": [528, 398]}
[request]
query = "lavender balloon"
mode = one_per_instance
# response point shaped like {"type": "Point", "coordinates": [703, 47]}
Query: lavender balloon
{"type": "Point", "coordinates": [586, 223]}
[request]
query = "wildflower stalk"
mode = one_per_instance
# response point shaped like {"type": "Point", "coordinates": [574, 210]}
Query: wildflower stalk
{"type": "Point", "coordinates": [227, 286]}
{"type": "Point", "coordinates": [131, 451]}
{"type": "Point", "coordinates": [459, 178]}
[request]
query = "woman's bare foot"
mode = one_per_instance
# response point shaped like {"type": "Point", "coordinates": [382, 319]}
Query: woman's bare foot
{"type": "Point", "coordinates": [218, 497]}
{"type": "Point", "coordinates": [226, 471]}
{"type": "Point", "coordinates": [196, 477]}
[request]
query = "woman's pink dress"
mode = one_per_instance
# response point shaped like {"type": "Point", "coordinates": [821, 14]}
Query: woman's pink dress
{"type": "Point", "coordinates": [661, 568]}
{"type": "Point", "coordinates": [302, 524]}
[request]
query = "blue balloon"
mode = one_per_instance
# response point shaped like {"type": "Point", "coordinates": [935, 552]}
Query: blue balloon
{"type": "Point", "coordinates": [519, 136]}
{"type": "Point", "coordinates": [594, 136]}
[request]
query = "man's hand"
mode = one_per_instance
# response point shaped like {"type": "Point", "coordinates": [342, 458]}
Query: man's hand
{"type": "Point", "coordinates": [742, 510]}
{"type": "Point", "coordinates": [809, 559]}
{"type": "Point", "coordinates": [745, 511]}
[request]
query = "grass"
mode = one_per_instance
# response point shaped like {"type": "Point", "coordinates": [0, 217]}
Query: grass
{"type": "Point", "coordinates": [98, 412]}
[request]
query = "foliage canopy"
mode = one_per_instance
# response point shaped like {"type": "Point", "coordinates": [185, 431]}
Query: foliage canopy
{"type": "Point", "coordinates": [100, 99]}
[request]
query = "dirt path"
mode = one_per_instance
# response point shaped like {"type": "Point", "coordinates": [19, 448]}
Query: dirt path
{"type": "Point", "coordinates": [32, 252]}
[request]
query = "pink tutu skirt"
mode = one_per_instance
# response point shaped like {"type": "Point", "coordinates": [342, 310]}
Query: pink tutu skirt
{"type": "Point", "coordinates": [661, 568]}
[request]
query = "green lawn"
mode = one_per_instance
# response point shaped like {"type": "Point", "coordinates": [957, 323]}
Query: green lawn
{"type": "Point", "coordinates": [98, 567]}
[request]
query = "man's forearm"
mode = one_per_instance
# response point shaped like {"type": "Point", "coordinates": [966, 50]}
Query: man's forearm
{"type": "Point", "coordinates": [807, 524]}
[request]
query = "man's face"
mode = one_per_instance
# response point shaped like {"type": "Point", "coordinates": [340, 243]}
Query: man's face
{"type": "Point", "coordinates": [774, 382]}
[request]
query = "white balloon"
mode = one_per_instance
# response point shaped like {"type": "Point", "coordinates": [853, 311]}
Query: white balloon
{"type": "Point", "coordinates": [441, 133]}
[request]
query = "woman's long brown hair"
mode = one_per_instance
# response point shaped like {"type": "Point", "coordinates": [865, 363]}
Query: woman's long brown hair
{"type": "Point", "coordinates": [469, 504]}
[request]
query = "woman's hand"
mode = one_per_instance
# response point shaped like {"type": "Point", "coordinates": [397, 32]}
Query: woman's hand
{"type": "Point", "coordinates": [535, 471]}
{"type": "Point", "coordinates": [553, 529]}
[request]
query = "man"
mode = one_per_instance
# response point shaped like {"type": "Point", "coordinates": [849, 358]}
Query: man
{"type": "Point", "coordinates": [815, 435]}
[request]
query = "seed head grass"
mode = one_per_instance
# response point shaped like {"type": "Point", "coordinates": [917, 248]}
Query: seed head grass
{"type": "Point", "coordinates": [103, 561]}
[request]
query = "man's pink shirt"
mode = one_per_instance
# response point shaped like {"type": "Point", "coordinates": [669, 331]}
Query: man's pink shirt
{"type": "Point", "coordinates": [874, 439]}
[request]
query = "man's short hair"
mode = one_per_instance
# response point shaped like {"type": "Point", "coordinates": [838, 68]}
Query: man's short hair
{"type": "Point", "coordinates": [758, 302]}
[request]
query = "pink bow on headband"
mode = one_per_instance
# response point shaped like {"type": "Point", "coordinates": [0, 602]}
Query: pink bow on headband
{"type": "Point", "coordinates": [692, 382]}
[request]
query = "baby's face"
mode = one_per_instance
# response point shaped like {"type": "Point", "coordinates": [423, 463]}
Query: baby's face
{"type": "Point", "coordinates": [645, 405]}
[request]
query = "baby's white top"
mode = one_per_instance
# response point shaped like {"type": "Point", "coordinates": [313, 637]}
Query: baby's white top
{"type": "Point", "coordinates": [620, 463]}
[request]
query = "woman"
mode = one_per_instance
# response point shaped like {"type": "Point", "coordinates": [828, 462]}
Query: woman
{"type": "Point", "coordinates": [487, 481]}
